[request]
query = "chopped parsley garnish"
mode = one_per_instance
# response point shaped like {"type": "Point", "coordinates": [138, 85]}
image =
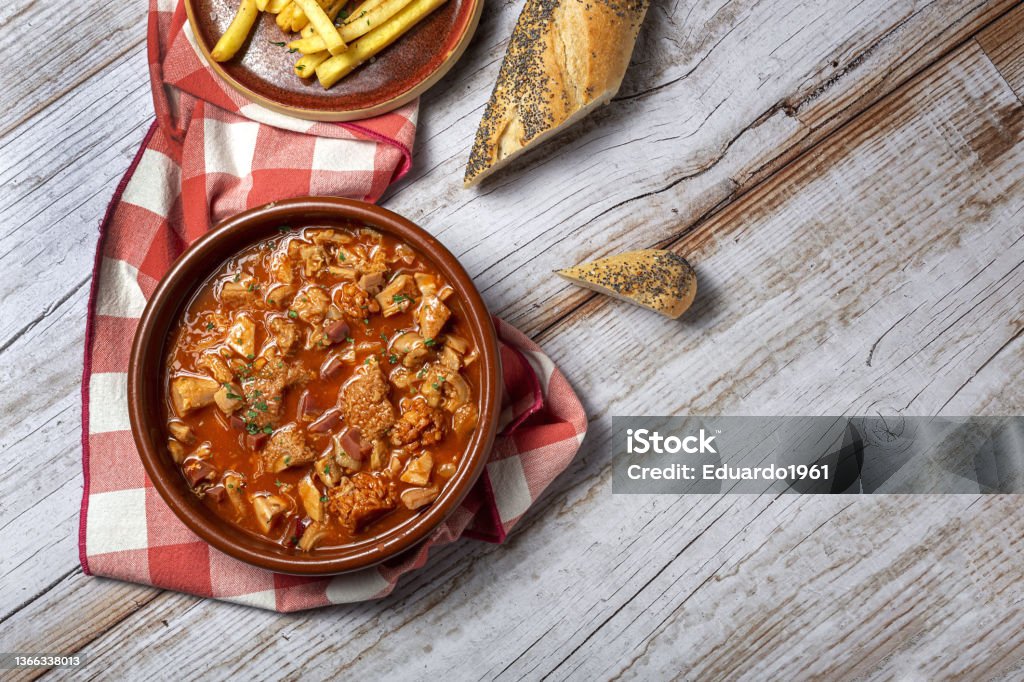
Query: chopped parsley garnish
{"type": "Point", "coordinates": [429, 342]}
{"type": "Point", "coordinates": [350, 339]}
{"type": "Point", "coordinates": [393, 359]}
{"type": "Point", "coordinates": [268, 429]}
{"type": "Point", "coordinates": [278, 483]}
{"type": "Point", "coordinates": [287, 460]}
{"type": "Point", "coordinates": [398, 298]}
{"type": "Point", "coordinates": [209, 326]}
{"type": "Point", "coordinates": [292, 314]}
{"type": "Point", "coordinates": [323, 499]}
{"type": "Point", "coordinates": [278, 44]}
{"type": "Point", "coordinates": [300, 67]}
{"type": "Point", "coordinates": [237, 277]}
{"type": "Point", "coordinates": [366, 321]}
{"type": "Point", "coordinates": [327, 468]}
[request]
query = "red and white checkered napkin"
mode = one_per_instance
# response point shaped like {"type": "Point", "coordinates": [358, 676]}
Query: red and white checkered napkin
{"type": "Point", "coordinates": [211, 154]}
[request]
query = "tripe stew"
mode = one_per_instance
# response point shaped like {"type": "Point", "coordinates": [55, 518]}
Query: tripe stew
{"type": "Point", "coordinates": [321, 386]}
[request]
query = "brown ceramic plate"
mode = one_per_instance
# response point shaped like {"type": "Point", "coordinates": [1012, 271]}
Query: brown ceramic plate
{"type": "Point", "coordinates": [263, 72]}
{"type": "Point", "coordinates": [147, 365]}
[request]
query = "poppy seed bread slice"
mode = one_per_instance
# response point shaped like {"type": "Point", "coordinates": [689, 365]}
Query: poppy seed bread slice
{"type": "Point", "coordinates": [662, 281]}
{"type": "Point", "coordinates": [565, 58]}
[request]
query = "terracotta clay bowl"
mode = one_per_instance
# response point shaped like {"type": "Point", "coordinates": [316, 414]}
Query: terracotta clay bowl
{"type": "Point", "coordinates": [147, 365]}
{"type": "Point", "coordinates": [262, 70]}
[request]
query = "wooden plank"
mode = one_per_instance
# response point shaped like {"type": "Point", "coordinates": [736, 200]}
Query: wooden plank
{"type": "Point", "coordinates": [1003, 42]}
{"type": "Point", "coordinates": [870, 67]}
{"type": "Point", "coordinates": [75, 609]}
{"type": "Point", "coordinates": [87, 44]}
{"type": "Point", "coordinates": [60, 186]}
{"type": "Point", "coordinates": [898, 55]}
{"type": "Point", "coordinates": [41, 482]}
{"type": "Point", "coordinates": [834, 603]}
{"type": "Point", "coordinates": [864, 271]}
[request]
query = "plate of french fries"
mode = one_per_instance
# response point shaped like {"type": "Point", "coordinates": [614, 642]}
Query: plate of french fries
{"type": "Point", "coordinates": [332, 60]}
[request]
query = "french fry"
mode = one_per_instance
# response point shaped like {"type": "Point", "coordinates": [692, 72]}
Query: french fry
{"type": "Point", "coordinates": [363, 8]}
{"type": "Point", "coordinates": [275, 6]}
{"type": "Point", "coordinates": [261, 5]}
{"type": "Point", "coordinates": [308, 45]}
{"type": "Point", "coordinates": [306, 66]}
{"type": "Point", "coordinates": [339, 66]}
{"type": "Point", "coordinates": [323, 24]}
{"type": "Point", "coordinates": [333, 8]}
{"type": "Point", "coordinates": [237, 32]}
{"type": "Point", "coordinates": [299, 20]}
{"type": "Point", "coordinates": [360, 22]}
{"type": "Point", "coordinates": [284, 17]}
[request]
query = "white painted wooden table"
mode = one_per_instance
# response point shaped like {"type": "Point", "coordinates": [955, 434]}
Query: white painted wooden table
{"type": "Point", "coordinates": [847, 178]}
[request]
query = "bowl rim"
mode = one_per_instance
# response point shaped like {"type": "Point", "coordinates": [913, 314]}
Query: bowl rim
{"type": "Point", "coordinates": [149, 344]}
{"type": "Point", "coordinates": [334, 115]}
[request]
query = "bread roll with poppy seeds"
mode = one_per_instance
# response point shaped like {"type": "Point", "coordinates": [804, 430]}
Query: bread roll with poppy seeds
{"type": "Point", "coordinates": [565, 58]}
{"type": "Point", "coordinates": [659, 280]}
